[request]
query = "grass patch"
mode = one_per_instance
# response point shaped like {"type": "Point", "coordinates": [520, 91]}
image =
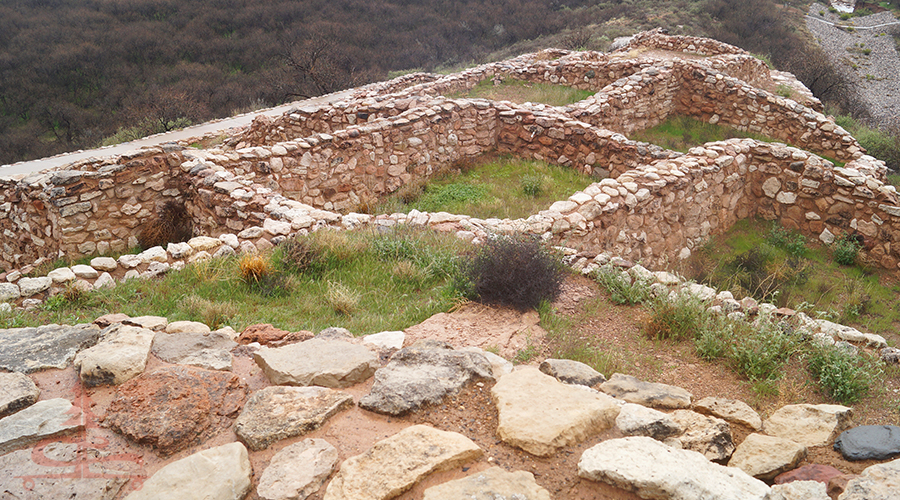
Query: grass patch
{"type": "Point", "coordinates": [843, 376]}
{"type": "Point", "coordinates": [353, 283]}
{"type": "Point", "coordinates": [755, 258]}
{"type": "Point", "coordinates": [878, 143]}
{"type": "Point", "coordinates": [503, 187]}
{"type": "Point", "coordinates": [520, 92]}
{"type": "Point", "coordinates": [681, 133]}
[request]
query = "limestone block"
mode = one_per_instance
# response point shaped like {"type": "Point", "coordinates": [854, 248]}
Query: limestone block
{"type": "Point", "coordinates": [491, 484]}
{"type": "Point", "coordinates": [764, 457]}
{"type": "Point", "coordinates": [61, 275]}
{"type": "Point", "coordinates": [221, 473]}
{"type": "Point", "coordinates": [809, 425]}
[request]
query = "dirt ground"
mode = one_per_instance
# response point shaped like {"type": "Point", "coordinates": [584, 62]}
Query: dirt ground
{"type": "Point", "coordinates": [471, 412]}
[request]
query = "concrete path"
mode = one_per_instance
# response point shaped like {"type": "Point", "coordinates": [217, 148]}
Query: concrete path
{"type": "Point", "coordinates": [28, 167]}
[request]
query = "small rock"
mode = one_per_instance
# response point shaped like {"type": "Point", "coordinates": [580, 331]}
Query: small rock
{"type": "Point", "coordinates": [105, 281]}
{"type": "Point", "coordinates": [204, 243]}
{"type": "Point", "coordinates": [653, 470]}
{"type": "Point", "coordinates": [104, 263]}
{"type": "Point", "coordinates": [278, 412]}
{"type": "Point", "coordinates": [421, 374]}
{"type": "Point", "coordinates": [120, 356]}
{"type": "Point", "coordinates": [175, 348]}
{"type": "Point", "coordinates": [636, 391]}
{"type": "Point", "coordinates": [393, 465]}
{"type": "Point", "coordinates": [329, 363]}
{"type": "Point", "coordinates": [262, 333]}
{"type": "Point", "coordinates": [31, 286]}
{"type": "Point", "coordinates": [44, 419]}
{"type": "Point", "coordinates": [729, 409]}
{"type": "Point", "coordinates": [155, 323]}
{"type": "Point", "coordinates": [61, 275]}
{"type": "Point", "coordinates": [809, 425]}
{"type": "Point", "coordinates": [869, 442]}
{"type": "Point", "coordinates": [572, 372]}
{"type": "Point", "coordinates": [386, 340]}
{"type": "Point", "coordinates": [890, 355]}
{"type": "Point", "coordinates": [812, 472]}
{"type": "Point", "coordinates": [17, 391]}
{"type": "Point", "coordinates": [129, 261]}
{"type": "Point", "coordinates": [186, 327]}
{"type": "Point", "coordinates": [877, 482]}
{"type": "Point", "coordinates": [210, 359]}
{"type": "Point", "coordinates": [298, 471]}
{"type": "Point", "coordinates": [540, 414]}
{"type": "Point", "coordinates": [799, 490]}
{"type": "Point", "coordinates": [638, 420]}
{"type": "Point", "coordinates": [764, 457]}
{"type": "Point", "coordinates": [490, 484]}
{"type": "Point", "coordinates": [221, 473]}
{"type": "Point", "coordinates": [707, 435]}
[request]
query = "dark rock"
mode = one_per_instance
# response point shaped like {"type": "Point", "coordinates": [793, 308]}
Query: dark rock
{"type": "Point", "coordinates": [869, 442]}
{"type": "Point", "coordinates": [421, 374]}
{"type": "Point", "coordinates": [572, 372]}
{"type": "Point", "coordinates": [838, 484]}
{"type": "Point", "coordinates": [175, 407]}
{"type": "Point", "coordinates": [890, 355]}
{"type": "Point", "coordinates": [813, 472]}
{"type": "Point", "coordinates": [29, 350]}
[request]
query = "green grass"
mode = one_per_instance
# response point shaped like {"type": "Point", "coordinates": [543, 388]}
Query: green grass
{"type": "Point", "coordinates": [878, 143]}
{"type": "Point", "coordinates": [503, 187]}
{"type": "Point", "coordinates": [758, 259]}
{"type": "Point", "coordinates": [368, 283]}
{"type": "Point", "coordinates": [520, 92]}
{"type": "Point", "coordinates": [681, 133]}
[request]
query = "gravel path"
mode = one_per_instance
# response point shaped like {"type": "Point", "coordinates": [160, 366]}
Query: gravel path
{"type": "Point", "coordinates": [875, 76]}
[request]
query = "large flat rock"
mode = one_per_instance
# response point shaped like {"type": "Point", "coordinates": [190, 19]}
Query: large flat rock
{"type": "Point", "coordinates": [540, 414]}
{"type": "Point", "coordinates": [422, 374]}
{"type": "Point", "coordinates": [221, 473]}
{"type": "Point", "coordinates": [638, 420]}
{"type": "Point", "coordinates": [809, 425]}
{"type": "Point", "coordinates": [17, 391]}
{"type": "Point", "coordinates": [174, 407]}
{"type": "Point", "coordinates": [656, 471]}
{"type": "Point", "coordinates": [23, 478]}
{"type": "Point", "coordinates": [53, 417]}
{"type": "Point", "coordinates": [731, 410]}
{"type": "Point", "coordinates": [877, 482]}
{"type": "Point", "coordinates": [646, 393]}
{"type": "Point", "coordinates": [119, 357]}
{"type": "Point", "coordinates": [869, 442]}
{"type": "Point", "coordinates": [328, 363]}
{"type": "Point", "coordinates": [28, 350]}
{"type": "Point", "coordinates": [765, 457]}
{"type": "Point", "coordinates": [490, 484]}
{"type": "Point", "coordinates": [279, 412]}
{"type": "Point", "coordinates": [175, 347]}
{"type": "Point", "coordinates": [393, 465]}
{"type": "Point", "coordinates": [297, 471]}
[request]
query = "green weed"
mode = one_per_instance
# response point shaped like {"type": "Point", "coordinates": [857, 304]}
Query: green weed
{"type": "Point", "coordinates": [622, 289]}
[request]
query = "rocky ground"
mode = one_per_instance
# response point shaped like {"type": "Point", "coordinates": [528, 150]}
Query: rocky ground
{"type": "Point", "coordinates": [273, 414]}
{"type": "Point", "coordinates": [866, 56]}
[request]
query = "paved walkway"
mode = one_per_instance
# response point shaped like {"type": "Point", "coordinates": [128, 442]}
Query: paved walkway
{"type": "Point", "coordinates": [28, 167]}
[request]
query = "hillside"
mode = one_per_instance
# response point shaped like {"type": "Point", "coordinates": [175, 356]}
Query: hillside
{"type": "Point", "coordinates": [75, 73]}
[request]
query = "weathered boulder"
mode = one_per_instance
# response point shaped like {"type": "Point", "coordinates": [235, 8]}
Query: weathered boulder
{"type": "Point", "coordinates": [174, 407]}
{"type": "Point", "coordinates": [120, 356]}
{"type": "Point", "coordinates": [877, 482]}
{"type": "Point", "coordinates": [540, 414]}
{"type": "Point", "coordinates": [17, 391]}
{"type": "Point", "coordinates": [209, 359]}
{"type": "Point", "coordinates": [9, 291]}
{"type": "Point", "coordinates": [764, 457]}
{"type": "Point", "coordinates": [707, 435]}
{"type": "Point", "coordinates": [31, 286]}
{"type": "Point", "coordinates": [730, 410]}
{"type": "Point", "coordinates": [650, 394]}
{"type": "Point", "coordinates": [869, 442]}
{"type": "Point", "coordinates": [393, 465]}
{"type": "Point", "coordinates": [187, 327]}
{"type": "Point", "coordinates": [572, 372]}
{"type": "Point", "coordinates": [809, 425]}
{"type": "Point", "coordinates": [28, 350]}
{"type": "Point", "coordinates": [653, 470]}
{"type": "Point", "coordinates": [386, 340]}
{"type": "Point", "coordinates": [490, 484]}
{"type": "Point", "coordinates": [262, 333]}
{"type": "Point", "coordinates": [50, 418]}
{"type": "Point", "coordinates": [298, 470]}
{"type": "Point", "coordinates": [329, 363]}
{"type": "Point", "coordinates": [221, 473]}
{"type": "Point", "coordinates": [638, 420]}
{"type": "Point", "coordinates": [422, 374]}
{"type": "Point", "coordinates": [278, 412]}
{"type": "Point", "coordinates": [155, 323]}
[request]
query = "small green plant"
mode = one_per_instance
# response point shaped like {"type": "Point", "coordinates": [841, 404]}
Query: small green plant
{"type": "Point", "coordinates": [845, 16]}
{"type": "Point", "coordinates": [714, 338]}
{"type": "Point", "coordinates": [784, 91]}
{"type": "Point", "coordinates": [794, 243]}
{"type": "Point", "coordinates": [533, 185]}
{"type": "Point", "coordinates": [763, 350]}
{"type": "Point", "coordinates": [845, 250]}
{"type": "Point", "coordinates": [622, 289]}
{"type": "Point", "coordinates": [678, 318]}
{"type": "Point", "coordinates": [525, 355]}
{"type": "Point", "coordinates": [844, 376]}
{"type": "Point", "coordinates": [516, 271]}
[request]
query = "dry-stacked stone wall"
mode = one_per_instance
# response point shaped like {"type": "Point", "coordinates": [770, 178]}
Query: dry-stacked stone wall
{"type": "Point", "coordinates": [295, 173]}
